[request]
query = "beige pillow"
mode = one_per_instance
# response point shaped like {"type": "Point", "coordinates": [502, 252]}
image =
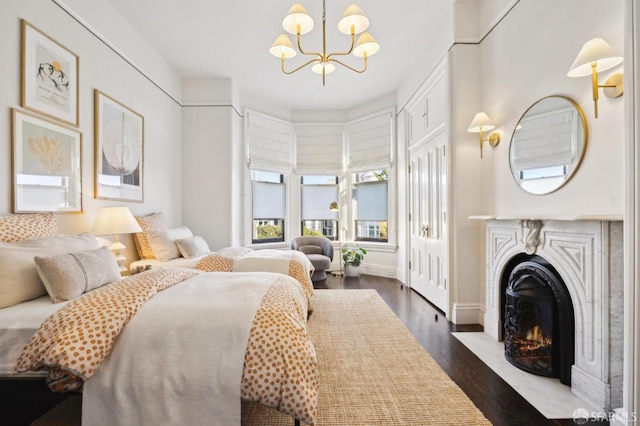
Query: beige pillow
{"type": "Point", "coordinates": [192, 247]}
{"type": "Point", "coordinates": [152, 222]}
{"type": "Point", "coordinates": [163, 243]}
{"type": "Point", "coordinates": [17, 227]}
{"type": "Point", "coordinates": [19, 280]}
{"type": "Point", "coordinates": [70, 275]}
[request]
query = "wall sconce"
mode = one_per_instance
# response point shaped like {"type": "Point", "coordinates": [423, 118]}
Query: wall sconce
{"type": "Point", "coordinates": [481, 123]}
{"type": "Point", "coordinates": [595, 56]}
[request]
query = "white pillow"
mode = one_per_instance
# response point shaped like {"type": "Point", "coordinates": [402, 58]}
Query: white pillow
{"type": "Point", "coordinates": [19, 280]}
{"type": "Point", "coordinates": [68, 276]}
{"type": "Point", "coordinates": [192, 247]}
{"type": "Point", "coordinates": [163, 243]}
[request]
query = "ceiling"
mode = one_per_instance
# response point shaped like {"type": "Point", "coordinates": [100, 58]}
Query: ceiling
{"type": "Point", "coordinates": [231, 38]}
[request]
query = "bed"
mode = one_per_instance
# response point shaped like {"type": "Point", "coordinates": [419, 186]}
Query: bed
{"type": "Point", "coordinates": [242, 259]}
{"type": "Point", "coordinates": [161, 358]}
{"type": "Point", "coordinates": [169, 345]}
{"type": "Point", "coordinates": [159, 245]}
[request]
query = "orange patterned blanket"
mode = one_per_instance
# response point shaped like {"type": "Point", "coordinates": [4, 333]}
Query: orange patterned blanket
{"type": "Point", "coordinates": [279, 370]}
{"type": "Point", "coordinates": [71, 344]}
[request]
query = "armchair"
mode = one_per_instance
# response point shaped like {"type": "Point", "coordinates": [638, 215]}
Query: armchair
{"type": "Point", "coordinates": [318, 250]}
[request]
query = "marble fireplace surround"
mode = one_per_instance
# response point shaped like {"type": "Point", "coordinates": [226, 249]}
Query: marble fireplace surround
{"type": "Point", "coordinates": [587, 252]}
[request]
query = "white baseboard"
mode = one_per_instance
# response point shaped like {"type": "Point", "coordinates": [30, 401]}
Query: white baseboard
{"type": "Point", "coordinates": [467, 313]}
{"type": "Point", "coordinates": [375, 270]}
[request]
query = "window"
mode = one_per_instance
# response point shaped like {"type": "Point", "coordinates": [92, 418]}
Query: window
{"type": "Point", "coordinates": [371, 205]}
{"type": "Point", "coordinates": [269, 206]}
{"type": "Point", "coordinates": [317, 192]}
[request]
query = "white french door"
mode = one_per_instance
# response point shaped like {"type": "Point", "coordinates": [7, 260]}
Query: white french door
{"type": "Point", "coordinates": [429, 267]}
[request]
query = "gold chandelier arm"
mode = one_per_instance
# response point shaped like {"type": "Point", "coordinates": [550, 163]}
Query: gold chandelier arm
{"type": "Point", "coordinates": [307, 53]}
{"type": "Point", "coordinates": [350, 67]}
{"type": "Point", "coordinates": [344, 53]}
{"type": "Point", "coordinates": [300, 67]}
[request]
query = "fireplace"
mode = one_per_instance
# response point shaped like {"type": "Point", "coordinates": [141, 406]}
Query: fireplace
{"type": "Point", "coordinates": [538, 319]}
{"type": "Point", "coordinates": [585, 258]}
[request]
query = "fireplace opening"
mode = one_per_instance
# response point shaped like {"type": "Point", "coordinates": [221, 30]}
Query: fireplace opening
{"type": "Point", "coordinates": [538, 319]}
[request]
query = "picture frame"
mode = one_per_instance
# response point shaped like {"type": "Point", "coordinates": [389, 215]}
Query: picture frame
{"type": "Point", "coordinates": [49, 76]}
{"type": "Point", "coordinates": [46, 166]}
{"type": "Point", "coordinates": [119, 150]}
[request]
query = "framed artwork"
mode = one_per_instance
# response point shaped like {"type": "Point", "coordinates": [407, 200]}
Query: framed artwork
{"type": "Point", "coordinates": [46, 166]}
{"type": "Point", "coordinates": [119, 150]}
{"type": "Point", "coordinates": [49, 76]}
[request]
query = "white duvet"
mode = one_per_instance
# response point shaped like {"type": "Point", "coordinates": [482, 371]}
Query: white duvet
{"type": "Point", "coordinates": [179, 360]}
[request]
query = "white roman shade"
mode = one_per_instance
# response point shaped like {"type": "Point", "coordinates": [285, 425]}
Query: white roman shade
{"type": "Point", "coordinates": [546, 140]}
{"type": "Point", "coordinates": [269, 143]}
{"type": "Point", "coordinates": [369, 143]}
{"type": "Point", "coordinates": [319, 148]}
{"type": "Point", "coordinates": [371, 199]}
{"type": "Point", "coordinates": [269, 200]}
{"type": "Point", "coordinates": [316, 200]}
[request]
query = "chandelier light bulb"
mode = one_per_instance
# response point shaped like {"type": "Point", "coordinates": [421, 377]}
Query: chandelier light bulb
{"type": "Point", "coordinates": [297, 16]}
{"type": "Point", "coordinates": [282, 47]}
{"type": "Point", "coordinates": [327, 66]}
{"type": "Point", "coordinates": [366, 44]}
{"type": "Point", "coordinates": [353, 16]}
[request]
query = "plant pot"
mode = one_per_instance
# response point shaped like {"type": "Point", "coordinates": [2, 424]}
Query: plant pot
{"type": "Point", "coordinates": [351, 271]}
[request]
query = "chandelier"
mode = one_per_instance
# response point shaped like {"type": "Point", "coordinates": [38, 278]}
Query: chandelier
{"type": "Point", "coordinates": [298, 22]}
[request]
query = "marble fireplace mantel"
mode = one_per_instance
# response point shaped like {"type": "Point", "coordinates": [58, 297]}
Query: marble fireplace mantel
{"type": "Point", "coordinates": [587, 252]}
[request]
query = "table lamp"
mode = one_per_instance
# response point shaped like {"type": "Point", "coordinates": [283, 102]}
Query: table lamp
{"type": "Point", "coordinates": [116, 221]}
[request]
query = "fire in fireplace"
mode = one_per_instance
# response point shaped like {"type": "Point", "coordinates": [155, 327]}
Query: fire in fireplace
{"type": "Point", "coordinates": [538, 319]}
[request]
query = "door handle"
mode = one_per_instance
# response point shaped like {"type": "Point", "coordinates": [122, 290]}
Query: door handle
{"type": "Point", "coordinates": [425, 230]}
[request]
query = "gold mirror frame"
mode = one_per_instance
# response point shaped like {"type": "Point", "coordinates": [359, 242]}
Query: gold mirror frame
{"type": "Point", "coordinates": [548, 144]}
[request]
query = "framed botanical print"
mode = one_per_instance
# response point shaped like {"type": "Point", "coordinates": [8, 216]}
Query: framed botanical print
{"type": "Point", "coordinates": [46, 165]}
{"type": "Point", "coordinates": [50, 75]}
{"type": "Point", "coordinates": [119, 150]}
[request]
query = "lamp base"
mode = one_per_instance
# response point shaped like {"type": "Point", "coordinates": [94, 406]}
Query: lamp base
{"type": "Point", "coordinates": [117, 248]}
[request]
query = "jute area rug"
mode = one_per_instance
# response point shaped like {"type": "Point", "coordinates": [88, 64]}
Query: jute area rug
{"type": "Point", "coordinates": [372, 370]}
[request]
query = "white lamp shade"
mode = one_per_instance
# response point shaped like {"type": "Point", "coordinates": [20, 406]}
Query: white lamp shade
{"type": "Point", "coordinates": [297, 15]}
{"type": "Point", "coordinates": [480, 123]}
{"type": "Point", "coordinates": [353, 15]}
{"type": "Point", "coordinates": [327, 66]}
{"type": "Point", "coordinates": [282, 47]}
{"type": "Point", "coordinates": [366, 44]}
{"type": "Point", "coordinates": [595, 50]}
{"type": "Point", "coordinates": [114, 221]}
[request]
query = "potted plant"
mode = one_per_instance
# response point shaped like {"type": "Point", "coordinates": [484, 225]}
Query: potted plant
{"type": "Point", "coordinates": [352, 258]}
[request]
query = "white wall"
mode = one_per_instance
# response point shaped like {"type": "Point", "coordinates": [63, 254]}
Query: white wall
{"type": "Point", "coordinates": [212, 167]}
{"type": "Point", "coordinates": [101, 68]}
{"type": "Point", "coordinates": [526, 57]}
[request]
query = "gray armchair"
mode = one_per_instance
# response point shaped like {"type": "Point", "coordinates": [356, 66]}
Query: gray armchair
{"type": "Point", "coordinates": [319, 250]}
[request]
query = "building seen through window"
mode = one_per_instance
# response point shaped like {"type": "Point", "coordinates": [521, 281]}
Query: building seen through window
{"type": "Point", "coordinates": [370, 196]}
{"type": "Point", "coordinates": [268, 206]}
{"type": "Point", "coordinates": [317, 192]}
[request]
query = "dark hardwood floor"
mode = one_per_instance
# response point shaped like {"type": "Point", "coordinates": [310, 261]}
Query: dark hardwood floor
{"type": "Point", "coordinates": [26, 400]}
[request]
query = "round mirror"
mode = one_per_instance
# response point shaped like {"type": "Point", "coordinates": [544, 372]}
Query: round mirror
{"type": "Point", "coordinates": [548, 144]}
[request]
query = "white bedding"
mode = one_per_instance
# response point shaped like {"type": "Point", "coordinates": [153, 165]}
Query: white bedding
{"type": "Point", "coordinates": [269, 260]}
{"type": "Point", "coordinates": [17, 324]}
{"type": "Point", "coordinates": [180, 262]}
{"type": "Point", "coordinates": [149, 377]}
